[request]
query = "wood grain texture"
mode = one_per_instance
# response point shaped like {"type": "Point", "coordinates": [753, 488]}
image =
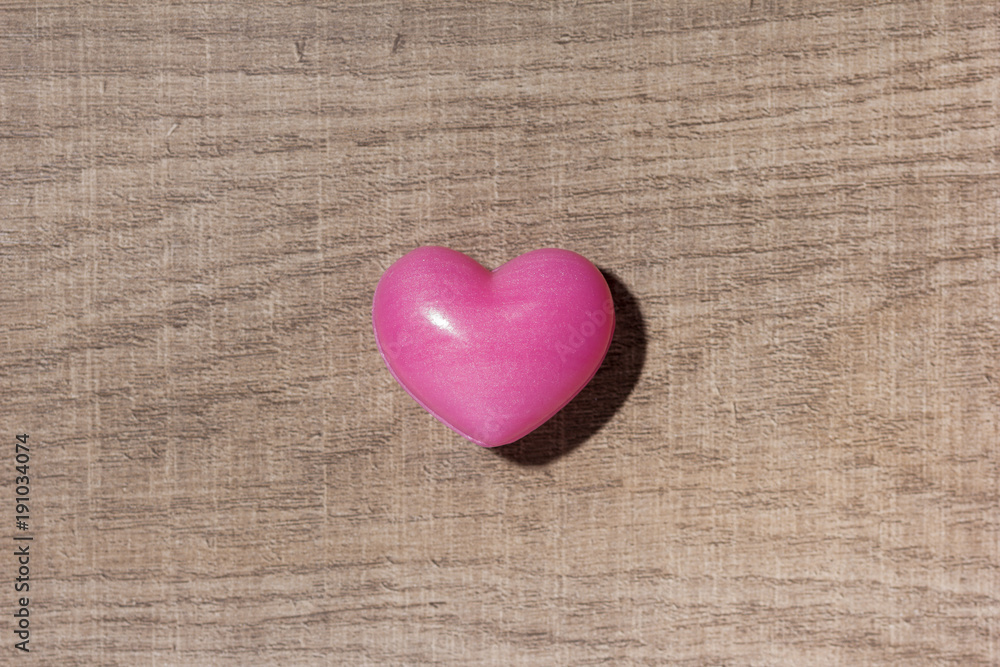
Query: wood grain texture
{"type": "Point", "coordinates": [792, 456]}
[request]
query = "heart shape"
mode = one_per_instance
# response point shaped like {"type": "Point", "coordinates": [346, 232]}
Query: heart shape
{"type": "Point", "coordinates": [493, 355]}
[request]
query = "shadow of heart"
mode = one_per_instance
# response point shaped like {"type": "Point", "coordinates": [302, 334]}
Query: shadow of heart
{"type": "Point", "coordinates": [603, 396]}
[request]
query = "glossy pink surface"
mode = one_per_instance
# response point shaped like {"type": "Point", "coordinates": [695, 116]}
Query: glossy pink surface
{"type": "Point", "coordinates": [493, 355]}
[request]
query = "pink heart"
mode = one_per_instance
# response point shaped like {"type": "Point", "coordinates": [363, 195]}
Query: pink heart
{"type": "Point", "coordinates": [493, 355]}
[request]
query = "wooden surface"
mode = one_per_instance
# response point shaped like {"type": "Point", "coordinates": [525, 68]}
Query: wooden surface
{"type": "Point", "coordinates": [791, 456]}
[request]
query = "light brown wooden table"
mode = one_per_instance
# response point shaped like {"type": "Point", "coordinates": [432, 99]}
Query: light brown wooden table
{"type": "Point", "coordinates": [791, 456]}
